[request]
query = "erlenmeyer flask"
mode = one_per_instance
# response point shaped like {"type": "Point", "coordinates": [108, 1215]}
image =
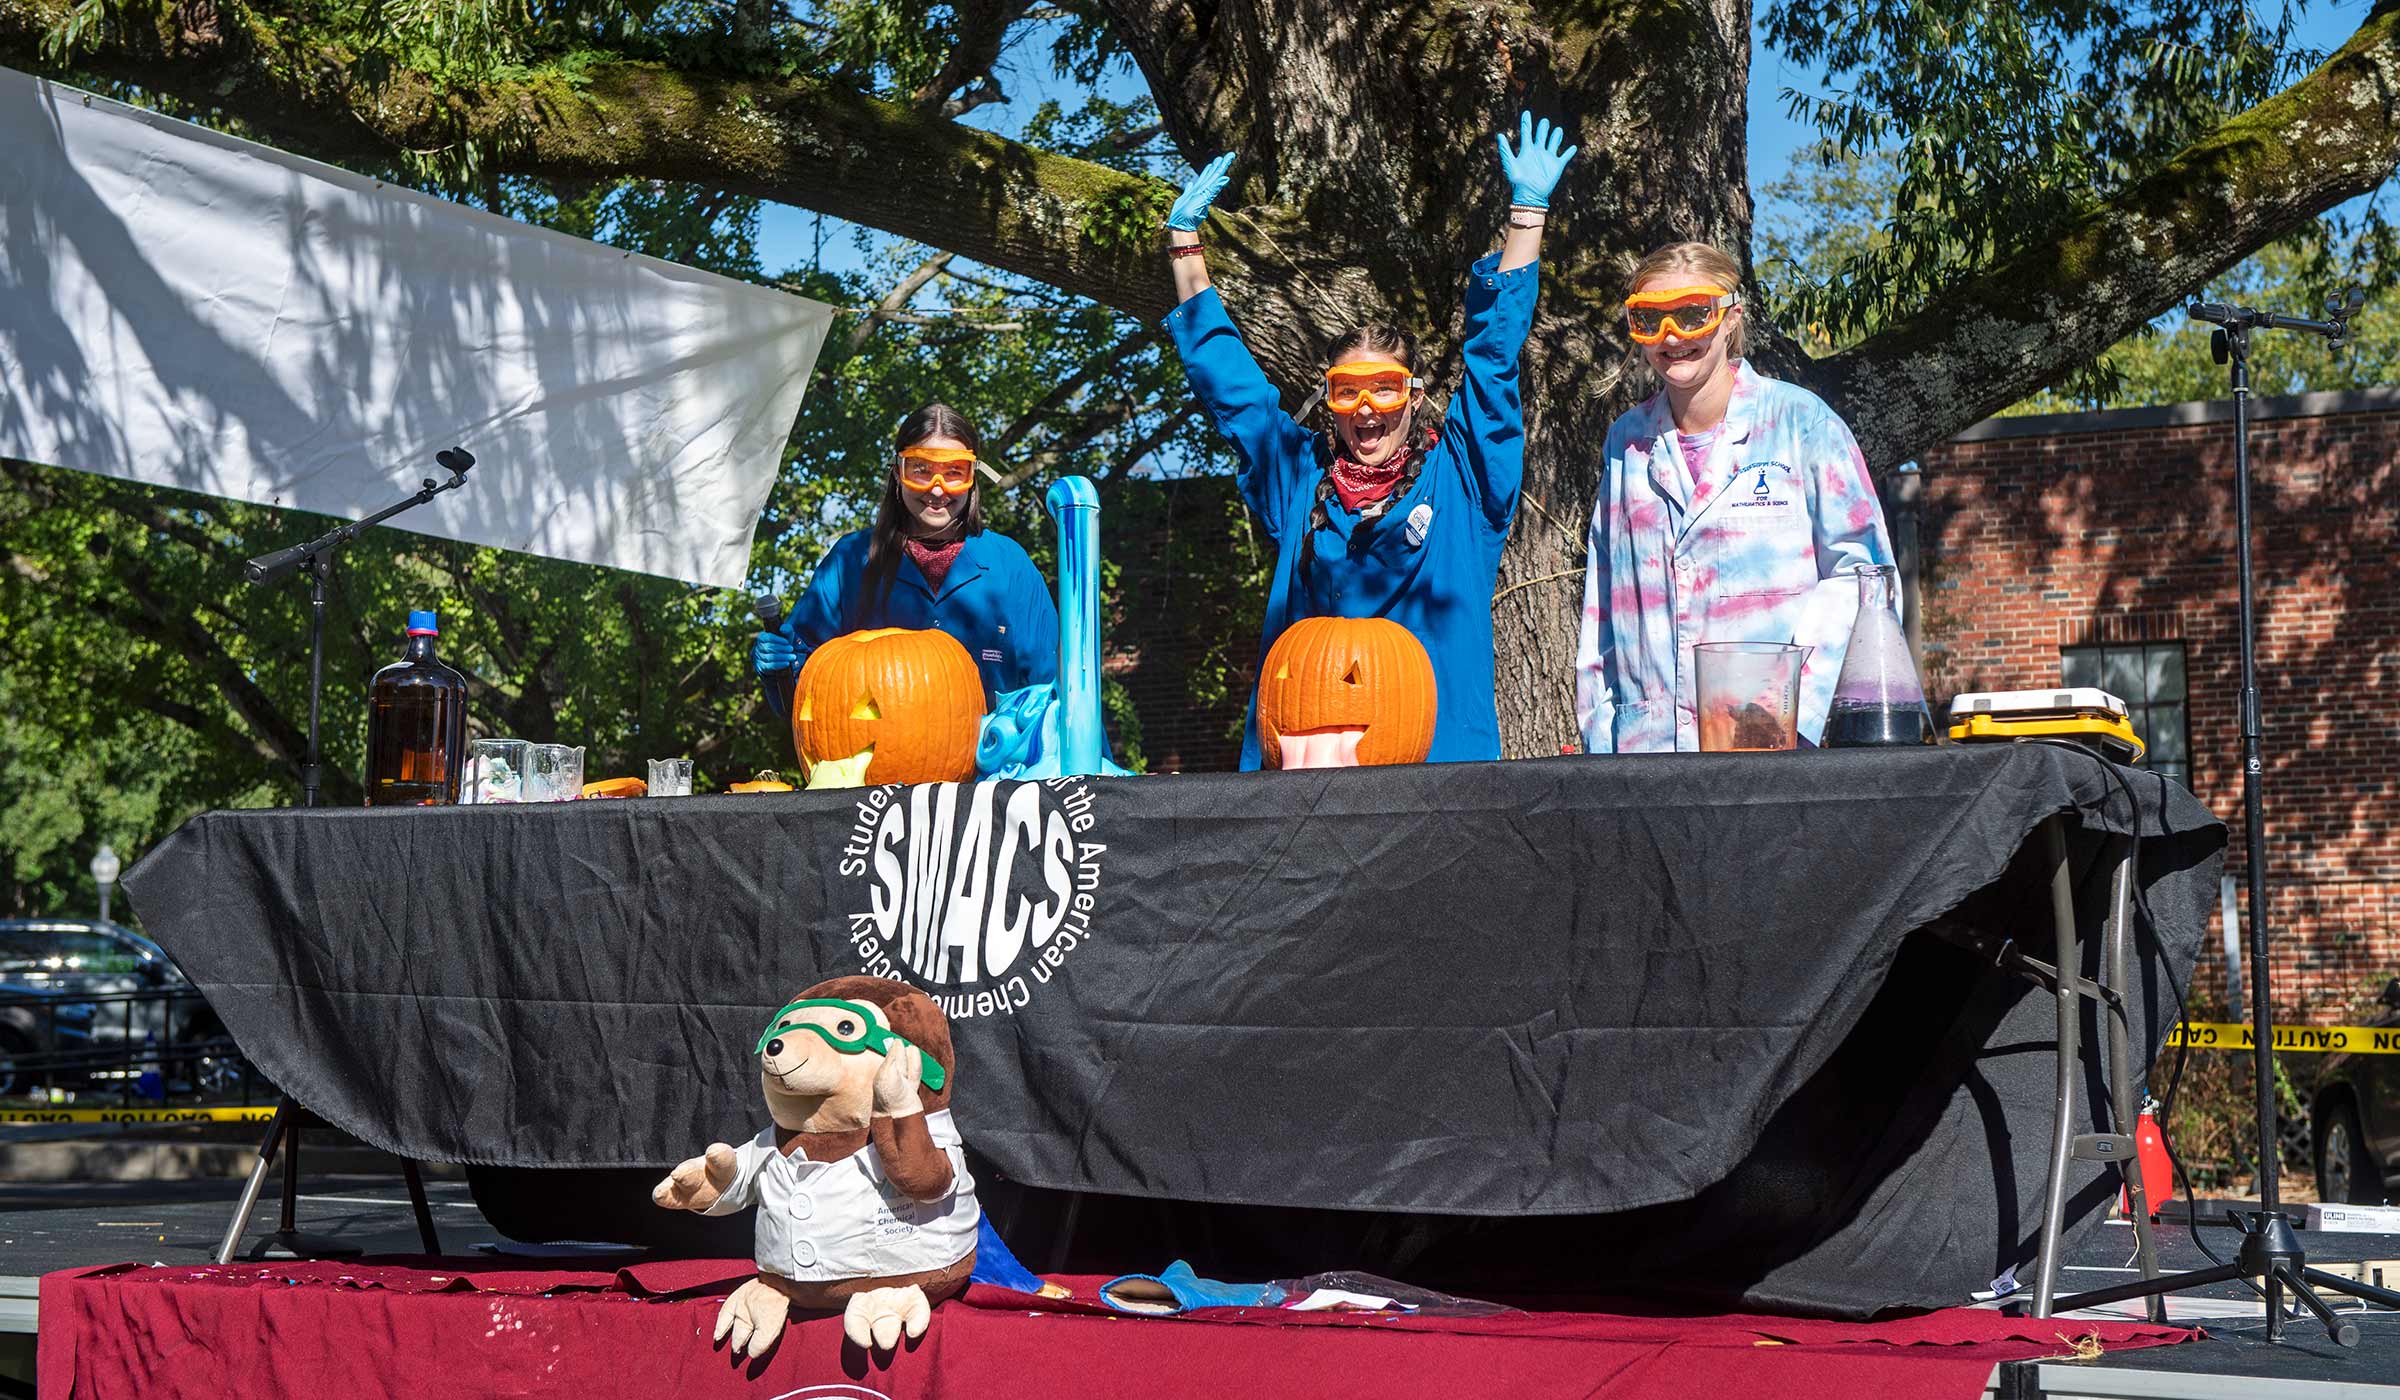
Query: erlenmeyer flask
{"type": "Point", "coordinates": [1878, 702]}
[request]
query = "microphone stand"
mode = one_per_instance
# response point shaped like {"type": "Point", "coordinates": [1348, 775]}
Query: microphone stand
{"type": "Point", "coordinates": [315, 559]}
{"type": "Point", "coordinates": [2270, 1250]}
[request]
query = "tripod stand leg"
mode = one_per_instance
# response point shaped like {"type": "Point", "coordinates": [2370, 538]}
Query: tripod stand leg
{"type": "Point", "coordinates": [2117, 1293]}
{"type": "Point", "coordinates": [240, 1224]}
{"type": "Point", "coordinates": [418, 1203]}
{"type": "Point", "coordinates": [2344, 1334]}
{"type": "Point", "coordinates": [2070, 1015]}
{"type": "Point", "coordinates": [2356, 1288]}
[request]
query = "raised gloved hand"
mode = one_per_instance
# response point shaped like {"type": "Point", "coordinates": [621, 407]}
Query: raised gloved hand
{"type": "Point", "coordinates": [1192, 205]}
{"type": "Point", "coordinates": [771, 652]}
{"type": "Point", "coordinates": [1534, 166]}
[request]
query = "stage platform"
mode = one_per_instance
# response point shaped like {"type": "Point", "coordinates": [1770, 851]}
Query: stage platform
{"type": "Point", "coordinates": [51, 1227]}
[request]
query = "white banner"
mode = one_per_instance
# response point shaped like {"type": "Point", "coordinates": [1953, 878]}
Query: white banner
{"type": "Point", "coordinates": [187, 309]}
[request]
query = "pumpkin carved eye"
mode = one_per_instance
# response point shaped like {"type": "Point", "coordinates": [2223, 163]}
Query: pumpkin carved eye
{"type": "Point", "coordinates": [866, 708]}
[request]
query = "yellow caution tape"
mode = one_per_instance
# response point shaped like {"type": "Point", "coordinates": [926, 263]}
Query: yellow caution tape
{"type": "Point", "coordinates": [2237, 1035]}
{"type": "Point", "coordinates": [136, 1115]}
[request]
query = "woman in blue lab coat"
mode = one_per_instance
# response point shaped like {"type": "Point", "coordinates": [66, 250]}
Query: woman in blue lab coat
{"type": "Point", "coordinates": [926, 562]}
{"type": "Point", "coordinates": [1386, 513]}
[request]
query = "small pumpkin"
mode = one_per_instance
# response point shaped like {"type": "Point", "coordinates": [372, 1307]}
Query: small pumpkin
{"type": "Point", "coordinates": [768, 780]}
{"type": "Point", "coordinates": [1362, 687]}
{"type": "Point", "coordinates": [617, 787]}
{"type": "Point", "coordinates": [913, 700]}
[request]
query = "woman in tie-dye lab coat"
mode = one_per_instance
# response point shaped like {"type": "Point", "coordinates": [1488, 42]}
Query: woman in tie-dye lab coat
{"type": "Point", "coordinates": [1731, 509]}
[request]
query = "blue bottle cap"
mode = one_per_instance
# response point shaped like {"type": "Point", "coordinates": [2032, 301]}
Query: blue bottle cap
{"type": "Point", "coordinates": [422, 624]}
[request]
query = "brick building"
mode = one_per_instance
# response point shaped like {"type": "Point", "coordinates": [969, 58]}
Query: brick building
{"type": "Point", "coordinates": [2099, 549]}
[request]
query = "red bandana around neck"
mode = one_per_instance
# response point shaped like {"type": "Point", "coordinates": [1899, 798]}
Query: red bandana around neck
{"type": "Point", "coordinates": [1359, 485]}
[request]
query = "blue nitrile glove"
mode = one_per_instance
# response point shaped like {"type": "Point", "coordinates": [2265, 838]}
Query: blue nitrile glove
{"type": "Point", "coordinates": [1192, 205]}
{"type": "Point", "coordinates": [995, 1264]}
{"type": "Point", "coordinates": [772, 652]}
{"type": "Point", "coordinates": [1185, 1291]}
{"type": "Point", "coordinates": [1534, 166]}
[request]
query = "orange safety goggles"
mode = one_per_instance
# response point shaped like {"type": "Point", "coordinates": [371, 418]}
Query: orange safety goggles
{"type": "Point", "coordinates": [1690, 312]}
{"type": "Point", "coordinates": [1378, 384]}
{"type": "Point", "coordinates": [923, 468]}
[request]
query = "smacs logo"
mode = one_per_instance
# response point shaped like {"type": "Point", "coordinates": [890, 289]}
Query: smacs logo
{"type": "Point", "coordinates": [976, 892]}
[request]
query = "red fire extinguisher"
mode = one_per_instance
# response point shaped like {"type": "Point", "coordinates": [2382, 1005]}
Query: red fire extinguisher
{"type": "Point", "coordinates": [2158, 1170]}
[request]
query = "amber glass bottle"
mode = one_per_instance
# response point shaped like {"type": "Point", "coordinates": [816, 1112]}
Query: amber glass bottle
{"type": "Point", "coordinates": [416, 725]}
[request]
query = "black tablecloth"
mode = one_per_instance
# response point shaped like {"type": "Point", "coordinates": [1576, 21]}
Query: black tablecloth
{"type": "Point", "coordinates": [1559, 987]}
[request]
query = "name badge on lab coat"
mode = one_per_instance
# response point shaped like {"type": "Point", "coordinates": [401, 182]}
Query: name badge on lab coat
{"type": "Point", "coordinates": [1420, 522]}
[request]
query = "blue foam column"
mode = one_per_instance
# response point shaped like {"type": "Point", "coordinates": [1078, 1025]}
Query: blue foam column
{"type": "Point", "coordinates": [1075, 505]}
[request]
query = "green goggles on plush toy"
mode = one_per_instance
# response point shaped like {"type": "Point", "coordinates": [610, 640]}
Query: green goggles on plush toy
{"type": "Point", "coordinates": [840, 1035]}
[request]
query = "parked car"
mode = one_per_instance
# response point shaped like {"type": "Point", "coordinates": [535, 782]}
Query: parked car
{"type": "Point", "coordinates": [2355, 1115]}
{"type": "Point", "coordinates": [51, 971]}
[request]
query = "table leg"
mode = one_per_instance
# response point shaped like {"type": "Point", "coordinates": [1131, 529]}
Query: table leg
{"type": "Point", "coordinates": [423, 1208]}
{"type": "Point", "coordinates": [2070, 1014]}
{"type": "Point", "coordinates": [240, 1224]}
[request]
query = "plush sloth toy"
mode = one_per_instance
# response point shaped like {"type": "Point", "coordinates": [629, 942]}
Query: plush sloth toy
{"type": "Point", "coordinates": [864, 1202]}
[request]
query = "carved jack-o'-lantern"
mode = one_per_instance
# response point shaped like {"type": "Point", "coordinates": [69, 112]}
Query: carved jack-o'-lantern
{"type": "Point", "coordinates": [910, 704]}
{"type": "Point", "coordinates": [1339, 691]}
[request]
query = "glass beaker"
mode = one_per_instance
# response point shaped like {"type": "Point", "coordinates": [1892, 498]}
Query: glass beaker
{"type": "Point", "coordinates": [670, 777]}
{"type": "Point", "coordinates": [495, 771]}
{"type": "Point", "coordinates": [1749, 695]}
{"type": "Point", "coordinates": [1878, 702]}
{"type": "Point", "coordinates": [554, 773]}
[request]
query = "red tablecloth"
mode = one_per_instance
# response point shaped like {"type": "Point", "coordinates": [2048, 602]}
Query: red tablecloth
{"type": "Point", "coordinates": [456, 1327]}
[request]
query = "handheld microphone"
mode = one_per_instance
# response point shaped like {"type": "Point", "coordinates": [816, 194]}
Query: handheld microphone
{"type": "Point", "coordinates": [769, 610]}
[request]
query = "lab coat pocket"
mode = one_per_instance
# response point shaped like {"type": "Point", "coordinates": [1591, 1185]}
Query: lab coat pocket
{"type": "Point", "coordinates": [1759, 615]}
{"type": "Point", "coordinates": [1641, 724]}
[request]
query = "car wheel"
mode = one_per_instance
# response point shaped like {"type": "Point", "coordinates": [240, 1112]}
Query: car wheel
{"type": "Point", "coordinates": [2347, 1173]}
{"type": "Point", "coordinates": [15, 1046]}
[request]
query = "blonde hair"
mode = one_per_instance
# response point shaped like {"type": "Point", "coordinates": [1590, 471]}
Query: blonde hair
{"type": "Point", "coordinates": [1702, 262]}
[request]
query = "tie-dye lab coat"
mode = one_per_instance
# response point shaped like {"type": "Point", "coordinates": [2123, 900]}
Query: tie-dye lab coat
{"type": "Point", "coordinates": [1760, 553]}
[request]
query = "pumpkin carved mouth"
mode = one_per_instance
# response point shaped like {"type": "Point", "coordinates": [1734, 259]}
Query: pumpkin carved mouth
{"type": "Point", "coordinates": [1333, 746]}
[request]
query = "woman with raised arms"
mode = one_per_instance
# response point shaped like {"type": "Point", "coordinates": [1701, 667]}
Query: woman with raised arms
{"type": "Point", "coordinates": [1388, 510]}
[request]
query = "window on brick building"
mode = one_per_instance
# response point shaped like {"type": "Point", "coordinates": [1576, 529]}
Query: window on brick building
{"type": "Point", "coordinates": [2148, 677]}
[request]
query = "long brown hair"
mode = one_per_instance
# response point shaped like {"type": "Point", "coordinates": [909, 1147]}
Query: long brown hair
{"type": "Point", "coordinates": [891, 514]}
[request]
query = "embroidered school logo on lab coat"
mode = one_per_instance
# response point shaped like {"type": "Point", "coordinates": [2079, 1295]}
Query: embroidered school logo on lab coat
{"type": "Point", "coordinates": [1763, 484]}
{"type": "Point", "coordinates": [1420, 522]}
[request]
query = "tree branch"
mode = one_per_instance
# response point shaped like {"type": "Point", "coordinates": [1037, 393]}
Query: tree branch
{"type": "Point", "coordinates": [982, 25]}
{"type": "Point", "coordinates": [892, 302]}
{"type": "Point", "coordinates": [2329, 137]}
{"type": "Point", "coordinates": [804, 141]}
{"type": "Point", "coordinates": [1066, 390]}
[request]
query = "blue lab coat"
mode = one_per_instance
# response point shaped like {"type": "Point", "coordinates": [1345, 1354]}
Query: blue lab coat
{"type": "Point", "coordinates": [1429, 564]}
{"type": "Point", "coordinates": [993, 600]}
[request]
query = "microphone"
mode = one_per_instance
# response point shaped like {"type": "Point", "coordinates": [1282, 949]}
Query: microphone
{"type": "Point", "coordinates": [266, 568]}
{"type": "Point", "coordinates": [769, 610]}
{"type": "Point", "coordinates": [457, 459]}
